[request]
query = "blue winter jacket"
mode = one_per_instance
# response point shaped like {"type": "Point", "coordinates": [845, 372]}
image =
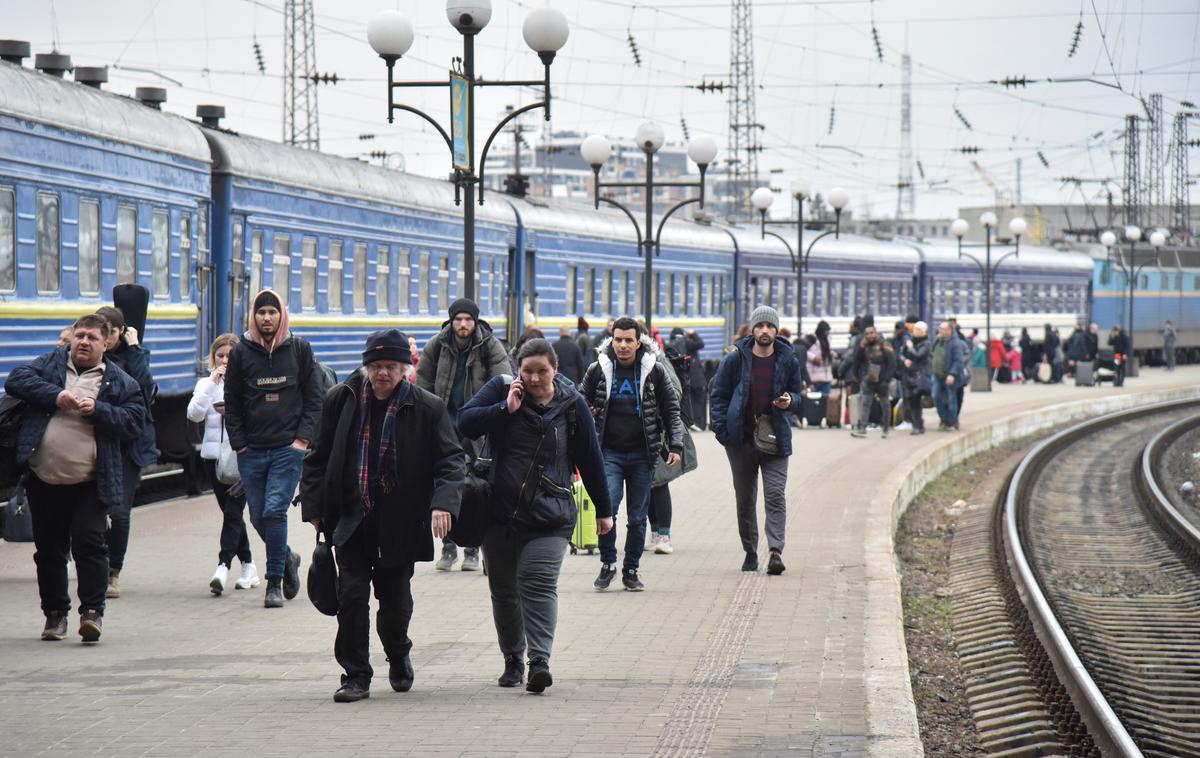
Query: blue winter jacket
{"type": "Point", "coordinates": [119, 416]}
{"type": "Point", "coordinates": [731, 391]}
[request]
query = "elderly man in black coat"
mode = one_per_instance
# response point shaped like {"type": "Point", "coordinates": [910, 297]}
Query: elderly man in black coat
{"type": "Point", "coordinates": [385, 477]}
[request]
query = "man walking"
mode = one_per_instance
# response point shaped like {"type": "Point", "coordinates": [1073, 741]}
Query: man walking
{"type": "Point", "coordinates": [948, 356]}
{"type": "Point", "coordinates": [386, 469]}
{"type": "Point", "coordinates": [755, 387]}
{"type": "Point", "coordinates": [697, 381]}
{"type": "Point", "coordinates": [454, 365]}
{"type": "Point", "coordinates": [570, 358]}
{"type": "Point", "coordinates": [273, 394]}
{"type": "Point", "coordinates": [1168, 335]}
{"type": "Point", "coordinates": [79, 411]}
{"type": "Point", "coordinates": [637, 420]}
{"type": "Point", "coordinates": [874, 368]}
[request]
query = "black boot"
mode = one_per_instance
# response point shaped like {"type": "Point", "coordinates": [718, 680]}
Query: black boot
{"type": "Point", "coordinates": [514, 671]}
{"type": "Point", "coordinates": [400, 674]}
{"type": "Point", "coordinates": [351, 692]}
{"type": "Point", "coordinates": [274, 598]}
{"type": "Point", "coordinates": [539, 675]}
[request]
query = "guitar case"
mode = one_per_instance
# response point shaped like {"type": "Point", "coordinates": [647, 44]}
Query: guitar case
{"type": "Point", "coordinates": [134, 302]}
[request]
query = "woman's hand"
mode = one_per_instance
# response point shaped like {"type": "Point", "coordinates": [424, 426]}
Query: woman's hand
{"type": "Point", "coordinates": [516, 393]}
{"type": "Point", "coordinates": [218, 375]}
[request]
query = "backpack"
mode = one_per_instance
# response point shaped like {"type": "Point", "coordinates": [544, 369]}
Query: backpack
{"type": "Point", "coordinates": [329, 377]}
{"type": "Point", "coordinates": [12, 414]}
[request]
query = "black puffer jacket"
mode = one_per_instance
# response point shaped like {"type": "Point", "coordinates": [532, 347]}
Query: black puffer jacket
{"type": "Point", "coordinates": [661, 423]}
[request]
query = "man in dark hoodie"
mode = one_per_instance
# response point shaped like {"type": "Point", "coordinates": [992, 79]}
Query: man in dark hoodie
{"type": "Point", "coordinates": [273, 394]}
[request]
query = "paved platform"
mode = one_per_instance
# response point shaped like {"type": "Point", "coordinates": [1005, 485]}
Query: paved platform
{"type": "Point", "coordinates": [707, 660]}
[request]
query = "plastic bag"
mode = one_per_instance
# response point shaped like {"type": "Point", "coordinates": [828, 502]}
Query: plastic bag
{"type": "Point", "coordinates": [227, 464]}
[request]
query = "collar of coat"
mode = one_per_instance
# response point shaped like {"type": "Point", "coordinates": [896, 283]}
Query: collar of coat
{"type": "Point", "coordinates": [607, 360]}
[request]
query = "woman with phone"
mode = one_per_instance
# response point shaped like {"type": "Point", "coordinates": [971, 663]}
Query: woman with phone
{"type": "Point", "coordinates": [208, 405]}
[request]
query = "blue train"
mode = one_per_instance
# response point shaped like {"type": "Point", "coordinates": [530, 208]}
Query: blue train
{"type": "Point", "coordinates": [97, 189]}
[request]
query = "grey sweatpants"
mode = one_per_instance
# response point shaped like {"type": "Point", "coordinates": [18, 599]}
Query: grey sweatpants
{"type": "Point", "coordinates": [746, 462]}
{"type": "Point", "coordinates": [523, 577]}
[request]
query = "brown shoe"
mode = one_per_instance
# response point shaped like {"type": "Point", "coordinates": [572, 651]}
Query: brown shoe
{"type": "Point", "coordinates": [114, 584]}
{"type": "Point", "coordinates": [56, 626]}
{"type": "Point", "coordinates": [89, 625]}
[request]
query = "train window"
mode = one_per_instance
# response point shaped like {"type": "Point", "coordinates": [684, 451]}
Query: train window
{"type": "Point", "coordinates": [160, 252]}
{"type": "Point", "coordinates": [622, 305]}
{"type": "Point", "coordinates": [690, 296]}
{"type": "Point", "coordinates": [848, 304]}
{"type": "Point", "coordinates": [443, 283]}
{"type": "Point", "coordinates": [8, 241]}
{"type": "Point", "coordinates": [670, 301]}
{"type": "Point", "coordinates": [1143, 282]}
{"type": "Point", "coordinates": [1196, 282]}
{"type": "Point", "coordinates": [281, 268]}
{"type": "Point", "coordinates": [126, 244]}
{"type": "Point", "coordinates": [48, 250]}
{"type": "Point", "coordinates": [1106, 273]}
{"type": "Point", "coordinates": [569, 282]}
{"type": "Point", "coordinates": [89, 247]}
{"type": "Point", "coordinates": [383, 279]}
{"type": "Point", "coordinates": [360, 277]}
{"type": "Point", "coordinates": [308, 273]}
{"type": "Point", "coordinates": [589, 291]}
{"type": "Point", "coordinates": [185, 257]}
{"type": "Point", "coordinates": [459, 276]}
{"type": "Point", "coordinates": [639, 298]}
{"type": "Point", "coordinates": [478, 272]}
{"type": "Point", "coordinates": [423, 303]}
{"type": "Point", "coordinates": [496, 285]}
{"type": "Point", "coordinates": [337, 269]}
{"type": "Point", "coordinates": [237, 265]}
{"type": "Point", "coordinates": [256, 262]}
{"type": "Point", "coordinates": [656, 295]}
{"type": "Point", "coordinates": [606, 281]}
{"type": "Point", "coordinates": [403, 279]}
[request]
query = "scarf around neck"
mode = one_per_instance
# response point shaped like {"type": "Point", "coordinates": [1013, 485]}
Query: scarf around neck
{"type": "Point", "coordinates": [386, 465]}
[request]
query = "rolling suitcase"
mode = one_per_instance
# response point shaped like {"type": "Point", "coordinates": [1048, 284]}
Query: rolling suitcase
{"type": "Point", "coordinates": [814, 409]}
{"type": "Point", "coordinates": [1085, 374]}
{"type": "Point", "coordinates": [833, 409]}
{"type": "Point", "coordinates": [584, 536]}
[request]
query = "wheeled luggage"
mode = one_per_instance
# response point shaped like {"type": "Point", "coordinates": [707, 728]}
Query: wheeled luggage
{"type": "Point", "coordinates": [833, 409]}
{"type": "Point", "coordinates": [1085, 374]}
{"type": "Point", "coordinates": [814, 409]}
{"type": "Point", "coordinates": [584, 536]}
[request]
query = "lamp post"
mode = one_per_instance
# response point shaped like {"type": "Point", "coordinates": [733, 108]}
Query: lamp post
{"type": "Point", "coordinates": [702, 149]}
{"type": "Point", "coordinates": [988, 269]}
{"type": "Point", "coordinates": [1130, 269]}
{"type": "Point", "coordinates": [391, 35]}
{"type": "Point", "coordinates": [763, 197]}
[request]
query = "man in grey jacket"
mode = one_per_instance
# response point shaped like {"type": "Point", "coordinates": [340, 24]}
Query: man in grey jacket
{"type": "Point", "coordinates": [454, 365]}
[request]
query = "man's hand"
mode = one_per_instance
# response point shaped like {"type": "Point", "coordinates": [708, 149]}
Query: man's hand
{"type": "Point", "coordinates": [243, 450]}
{"type": "Point", "coordinates": [516, 393]}
{"type": "Point", "coordinates": [949, 381]}
{"type": "Point", "coordinates": [672, 459]}
{"type": "Point", "coordinates": [87, 407]}
{"type": "Point", "coordinates": [783, 402]}
{"type": "Point", "coordinates": [300, 444]}
{"type": "Point", "coordinates": [441, 524]}
{"type": "Point", "coordinates": [316, 524]}
{"type": "Point", "coordinates": [604, 525]}
{"type": "Point", "coordinates": [67, 401]}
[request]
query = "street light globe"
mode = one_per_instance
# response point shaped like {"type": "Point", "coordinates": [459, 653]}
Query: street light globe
{"type": "Point", "coordinates": [545, 30]}
{"type": "Point", "coordinates": [1017, 226]}
{"type": "Point", "coordinates": [800, 188]}
{"type": "Point", "coordinates": [960, 227]}
{"type": "Point", "coordinates": [838, 198]}
{"type": "Point", "coordinates": [1108, 239]}
{"type": "Point", "coordinates": [390, 34]}
{"type": "Point", "coordinates": [1133, 233]}
{"type": "Point", "coordinates": [469, 16]}
{"type": "Point", "coordinates": [595, 150]}
{"type": "Point", "coordinates": [702, 149]}
{"type": "Point", "coordinates": [650, 137]}
{"type": "Point", "coordinates": [762, 198]}
{"type": "Point", "coordinates": [988, 219]}
{"type": "Point", "coordinates": [1158, 239]}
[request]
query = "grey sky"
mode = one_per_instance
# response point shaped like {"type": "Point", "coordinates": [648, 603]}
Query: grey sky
{"type": "Point", "coordinates": [808, 57]}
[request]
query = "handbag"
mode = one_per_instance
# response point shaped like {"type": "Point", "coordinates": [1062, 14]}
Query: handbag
{"type": "Point", "coordinates": [687, 462]}
{"type": "Point", "coordinates": [323, 579]}
{"type": "Point", "coordinates": [474, 510]}
{"type": "Point", "coordinates": [18, 521]}
{"type": "Point", "coordinates": [765, 440]}
{"type": "Point", "coordinates": [227, 463]}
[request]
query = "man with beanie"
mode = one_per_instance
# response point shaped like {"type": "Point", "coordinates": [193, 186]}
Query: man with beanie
{"type": "Point", "coordinates": [756, 385]}
{"type": "Point", "coordinates": [273, 394]}
{"type": "Point", "coordinates": [386, 470]}
{"type": "Point", "coordinates": [454, 365]}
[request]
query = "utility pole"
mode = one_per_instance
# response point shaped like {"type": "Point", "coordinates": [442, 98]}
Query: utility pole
{"type": "Point", "coordinates": [744, 128]}
{"type": "Point", "coordinates": [301, 126]}
{"type": "Point", "coordinates": [906, 194]}
{"type": "Point", "coordinates": [1180, 194]}
{"type": "Point", "coordinates": [1155, 179]}
{"type": "Point", "coordinates": [1133, 172]}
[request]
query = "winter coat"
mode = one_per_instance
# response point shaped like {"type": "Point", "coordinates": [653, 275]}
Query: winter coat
{"type": "Point", "coordinates": [535, 453]}
{"type": "Point", "coordinates": [917, 376]}
{"type": "Point", "coordinates": [486, 358]}
{"type": "Point", "coordinates": [955, 357]}
{"type": "Point", "coordinates": [1077, 346]}
{"type": "Point", "coordinates": [1120, 343]}
{"type": "Point", "coordinates": [818, 368]}
{"type": "Point", "coordinates": [119, 415]}
{"type": "Point", "coordinates": [1168, 335]}
{"type": "Point", "coordinates": [200, 408]}
{"type": "Point", "coordinates": [430, 471]}
{"type": "Point", "coordinates": [884, 357]}
{"type": "Point", "coordinates": [731, 391]}
{"type": "Point", "coordinates": [696, 377]}
{"type": "Point", "coordinates": [570, 359]}
{"type": "Point", "coordinates": [135, 361]}
{"type": "Point", "coordinates": [662, 426]}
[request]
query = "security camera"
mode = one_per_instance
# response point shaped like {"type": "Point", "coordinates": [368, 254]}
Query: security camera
{"type": "Point", "coordinates": [469, 17]}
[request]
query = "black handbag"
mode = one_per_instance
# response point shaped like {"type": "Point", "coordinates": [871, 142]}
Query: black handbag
{"type": "Point", "coordinates": [18, 521]}
{"type": "Point", "coordinates": [474, 511]}
{"type": "Point", "coordinates": [323, 579]}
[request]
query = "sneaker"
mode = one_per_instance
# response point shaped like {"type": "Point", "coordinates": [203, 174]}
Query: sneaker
{"type": "Point", "coordinates": [89, 625]}
{"type": "Point", "coordinates": [942, 426]}
{"type": "Point", "coordinates": [872, 427]}
{"type": "Point", "coordinates": [695, 428]}
{"type": "Point", "coordinates": [470, 559]}
{"type": "Point", "coordinates": [775, 565]}
{"type": "Point", "coordinates": [274, 596]}
{"type": "Point", "coordinates": [903, 426]}
{"type": "Point", "coordinates": [663, 546]}
{"type": "Point", "coordinates": [351, 691]}
{"type": "Point", "coordinates": [651, 541]}
{"type": "Point", "coordinates": [539, 675]}
{"type": "Point", "coordinates": [608, 572]}
{"type": "Point", "coordinates": [629, 578]}
{"type": "Point", "coordinates": [249, 578]}
{"type": "Point", "coordinates": [114, 584]}
{"type": "Point", "coordinates": [56, 627]}
{"type": "Point", "coordinates": [858, 433]}
{"type": "Point", "coordinates": [514, 671]}
{"type": "Point", "coordinates": [220, 577]}
{"type": "Point", "coordinates": [915, 432]}
{"type": "Point", "coordinates": [954, 426]}
{"type": "Point", "coordinates": [291, 575]}
{"type": "Point", "coordinates": [449, 556]}
{"type": "Point", "coordinates": [400, 674]}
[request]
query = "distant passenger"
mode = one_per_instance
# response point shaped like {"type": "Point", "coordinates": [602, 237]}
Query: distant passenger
{"type": "Point", "coordinates": [918, 381]}
{"type": "Point", "coordinates": [820, 361]}
{"type": "Point", "coordinates": [1050, 353]}
{"type": "Point", "coordinates": [530, 333]}
{"type": "Point", "coordinates": [64, 337]}
{"type": "Point", "coordinates": [80, 409]}
{"type": "Point", "coordinates": [208, 406]}
{"type": "Point", "coordinates": [1119, 342]}
{"type": "Point", "coordinates": [586, 347]}
{"type": "Point", "coordinates": [1077, 348]}
{"type": "Point", "coordinates": [456, 362]}
{"type": "Point", "coordinates": [753, 389]}
{"type": "Point", "coordinates": [948, 356]}
{"type": "Point", "coordinates": [570, 358]}
{"type": "Point", "coordinates": [273, 394]}
{"type": "Point", "coordinates": [1168, 335]}
{"type": "Point", "coordinates": [697, 380]}
{"type": "Point", "coordinates": [873, 369]}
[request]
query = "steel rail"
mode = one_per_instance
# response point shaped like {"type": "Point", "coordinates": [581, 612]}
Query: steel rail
{"type": "Point", "coordinates": [1163, 509]}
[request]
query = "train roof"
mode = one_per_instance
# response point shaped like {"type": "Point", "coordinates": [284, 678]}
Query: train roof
{"type": "Point", "coordinates": [945, 251]}
{"type": "Point", "coordinates": [844, 247]}
{"type": "Point", "coordinates": [32, 95]}
{"type": "Point", "coordinates": [577, 217]}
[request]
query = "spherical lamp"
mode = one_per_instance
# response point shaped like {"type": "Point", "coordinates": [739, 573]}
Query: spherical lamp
{"type": "Point", "coordinates": [390, 34]}
{"type": "Point", "coordinates": [762, 198]}
{"type": "Point", "coordinates": [595, 150]}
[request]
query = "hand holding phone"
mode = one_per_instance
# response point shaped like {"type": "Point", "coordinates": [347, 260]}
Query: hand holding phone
{"type": "Point", "coordinates": [516, 393]}
{"type": "Point", "coordinates": [783, 401]}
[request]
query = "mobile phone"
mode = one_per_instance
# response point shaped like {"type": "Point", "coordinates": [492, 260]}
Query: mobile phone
{"type": "Point", "coordinates": [219, 405]}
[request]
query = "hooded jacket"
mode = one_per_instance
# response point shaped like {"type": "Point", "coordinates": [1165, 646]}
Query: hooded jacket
{"type": "Point", "coordinates": [731, 392]}
{"type": "Point", "coordinates": [273, 391]}
{"type": "Point", "coordinates": [135, 361]}
{"type": "Point", "coordinates": [662, 426]}
{"type": "Point", "coordinates": [485, 359]}
{"type": "Point", "coordinates": [881, 354]}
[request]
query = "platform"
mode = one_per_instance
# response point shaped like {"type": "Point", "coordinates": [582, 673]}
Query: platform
{"type": "Point", "coordinates": [707, 661]}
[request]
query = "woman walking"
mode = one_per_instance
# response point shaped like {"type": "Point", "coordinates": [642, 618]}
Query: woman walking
{"type": "Point", "coordinates": [540, 430]}
{"type": "Point", "coordinates": [208, 405]}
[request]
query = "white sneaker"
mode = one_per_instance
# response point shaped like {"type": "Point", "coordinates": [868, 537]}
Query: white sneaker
{"type": "Point", "coordinates": [220, 577]}
{"type": "Point", "coordinates": [662, 545]}
{"type": "Point", "coordinates": [249, 577]}
{"type": "Point", "coordinates": [903, 426]}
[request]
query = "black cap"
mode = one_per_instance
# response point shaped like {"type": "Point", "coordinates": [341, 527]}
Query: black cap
{"type": "Point", "coordinates": [464, 305]}
{"type": "Point", "coordinates": [387, 345]}
{"type": "Point", "coordinates": [265, 298]}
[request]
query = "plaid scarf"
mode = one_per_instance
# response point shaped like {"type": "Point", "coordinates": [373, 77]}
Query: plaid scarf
{"type": "Point", "coordinates": [386, 468]}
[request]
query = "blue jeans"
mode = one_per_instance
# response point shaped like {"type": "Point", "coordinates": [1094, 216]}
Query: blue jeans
{"type": "Point", "coordinates": [270, 478]}
{"type": "Point", "coordinates": [945, 399]}
{"type": "Point", "coordinates": [823, 388]}
{"type": "Point", "coordinates": [632, 472]}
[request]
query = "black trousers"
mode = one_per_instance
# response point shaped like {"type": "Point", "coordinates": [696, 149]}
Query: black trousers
{"type": "Point", "coordinates": [660, 508]}
{"type": "Point", "coordinates": [234, 540]}
{"type": "Point", "coordinates": [357, 571]}
{"type": "Point", "coordinates": [699, 397]}
{"type": "Point", "coordinates": [68, 520]}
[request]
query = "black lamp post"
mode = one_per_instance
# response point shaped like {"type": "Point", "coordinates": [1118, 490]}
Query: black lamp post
{"type": "Point", "coordinates": [1132, 271]}
{"type": "Point", "coordinates": [762, 198]}
{"type": "Point", "coordinates": [650, 137]}
{"type": "Point", "coordinates": [987, 268]}
{"type": "Point", "coordinates": [391, 35]}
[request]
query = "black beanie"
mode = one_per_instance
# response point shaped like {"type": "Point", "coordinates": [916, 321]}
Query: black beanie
{"type": "Point", "coordinates": [463, 305]}
{"type": "Point", "coordinates": [266, 298]}
{"type": "Point", "coordinates": [387, 345]}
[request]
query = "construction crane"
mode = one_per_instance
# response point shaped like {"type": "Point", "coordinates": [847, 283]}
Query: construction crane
{"type": "Point", "coordinates": [1003, 196]}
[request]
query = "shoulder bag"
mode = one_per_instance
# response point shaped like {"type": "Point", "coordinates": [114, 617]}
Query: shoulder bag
{"type": "Point", "coordinates": [227, 463]}
{"type": "Point", "coordinates": [765, 440]}
{"type": "Point", "coordinates": [323, 579]}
